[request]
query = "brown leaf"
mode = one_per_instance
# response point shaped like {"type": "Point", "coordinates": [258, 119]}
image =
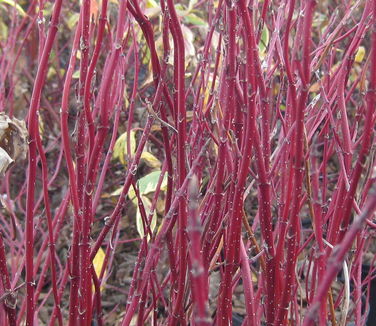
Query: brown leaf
{"type": "Point", "coordinates": [13, 141]}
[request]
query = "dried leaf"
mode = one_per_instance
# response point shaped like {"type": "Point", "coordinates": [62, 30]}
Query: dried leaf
{"type": "Point", "coordinates": [13, 141]}
{"type": "Point", "coordinates": [188, 41]}
{"type": "Point", "coordinates": [5, 161]}
{"type": "Point", "coordinates": [315, 87]}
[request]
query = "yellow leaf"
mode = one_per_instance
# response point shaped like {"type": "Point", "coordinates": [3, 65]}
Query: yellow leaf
{"type": "Point", "coordinates": [360, 54]}
{"type": "Point", "coordinates": [115, 193]}
{"type": "Point", "coordinates": [208, 87]}
{"type": "Point", "coordinates": [98, 264]}
{"type": "Point", "coordinates": [76, 74]}
{"type": "Point", "coordinates": [151, 160]}
{"type": "Point", "coordinates": [15, 5]}
{"type": "Point", "coordinates": [152, 9]}
{"type": "Point", "coordinates": [52, 72]}
{"type": "Point", "coordinates": [151, 4]}
{"type": "Point", "coordinates": [40, 126]}
{"type": "Point", "coordinates": [3, 31]}
{"type": "Point", "coordinates": [120, 148]}
{"type": "Point", "coordinates": [72, 20]}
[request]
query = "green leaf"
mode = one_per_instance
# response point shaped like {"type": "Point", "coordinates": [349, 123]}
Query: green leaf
{"type": "Point", "coordinates": [194, 20]}
{"type": "Point", "coordinates": [264, 41]}
{"type": "Point", "coordinates": [147, 57]}
{"type": "Point", "coordinates": [179, 7]}
{"type": "Point", "coordinates": [73, 20]}
{"type": "Point", "coordinates": [76, 74]}
{"type": "Point", "coordinates": [148, 184]}
{"type": "Point", "coordinates": [180, 10]}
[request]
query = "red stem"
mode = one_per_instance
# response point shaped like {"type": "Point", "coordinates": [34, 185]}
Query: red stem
{"type": "Point", "coordinates": [179, 76]}
{"type": "Point", "coordinates": [32, 126]}
{"type": "Point", "coordinates": [9, 300]}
